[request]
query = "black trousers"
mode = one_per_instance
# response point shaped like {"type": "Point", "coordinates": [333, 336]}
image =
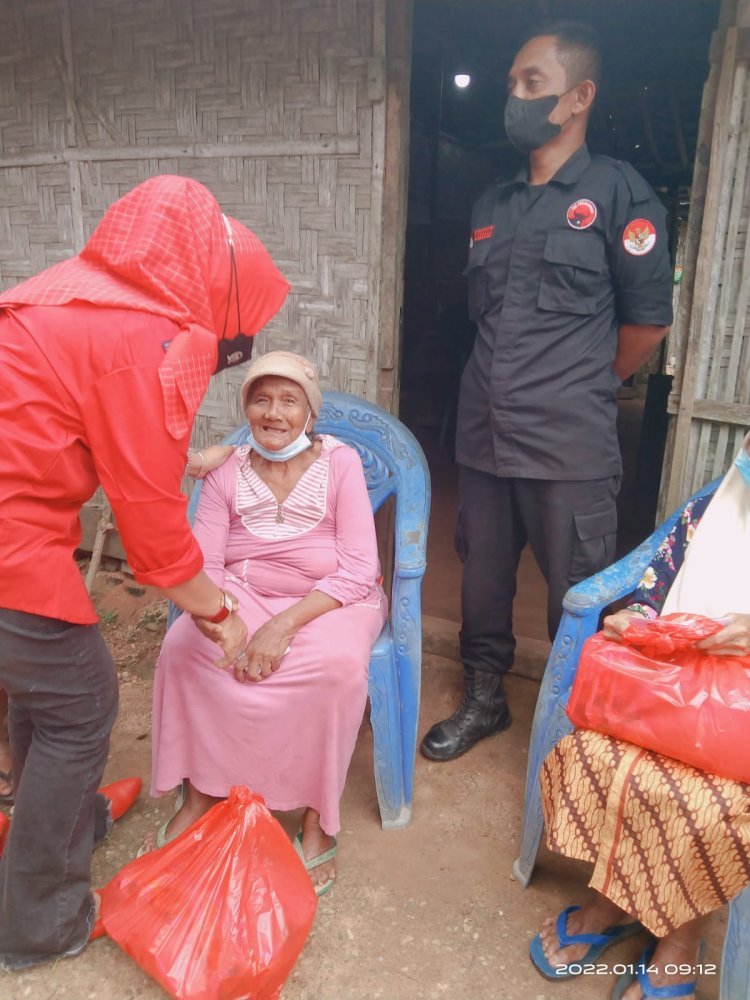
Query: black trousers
{"type": "Point", "coordinates": [571, 528]}
{"type": "Point", "coordinates": [62, 687]}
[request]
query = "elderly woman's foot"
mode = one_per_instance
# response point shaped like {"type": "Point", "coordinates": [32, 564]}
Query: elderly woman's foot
{"type": "Point", "coordinates": [594, 917]}
{"type": "Point", "coordinates": [6, 781]}
{"type": "Point", "coordinates": [681, 948]}
{"type": "Point", "coordinates": [195, 805]}
{"type": "Point", "coordinates": [314, 843]}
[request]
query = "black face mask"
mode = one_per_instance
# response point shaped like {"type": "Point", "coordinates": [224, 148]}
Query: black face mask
{"type": "Point", "coordinates": [234, 352]}
{"type": "Point", "coordinates": [240, 347]}
{"type": "Point", "coordinates": [527, 123]}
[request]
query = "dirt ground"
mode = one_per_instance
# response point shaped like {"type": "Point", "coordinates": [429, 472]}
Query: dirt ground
{"type": "Point", "coordinates": [424, 913]}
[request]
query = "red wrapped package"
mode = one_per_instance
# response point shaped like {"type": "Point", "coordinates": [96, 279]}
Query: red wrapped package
{"type": "Point", "coordinates": [219, 913]}
{"type": "Point", "coordinates": [656, 690]}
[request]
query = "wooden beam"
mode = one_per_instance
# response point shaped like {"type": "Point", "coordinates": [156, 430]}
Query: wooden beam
{"type": "Point", "coordinates": [399, 15]}
{"type": "Point", "coordinates": [703, 293]}
{"type": "Point", "coordinates": [190, 150]}
{"type": "Point", "coordinates": [112, 546]}
{"type": "Point", "coordinates": [377, 201]}
{"type": "Point", "coordinates": [711, 409]}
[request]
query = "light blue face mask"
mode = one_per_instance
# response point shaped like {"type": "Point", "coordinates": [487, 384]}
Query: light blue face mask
{"type": "Point", "coordinates": [294, 448]}
{"type": "Point", "coordinates": [743, 464]}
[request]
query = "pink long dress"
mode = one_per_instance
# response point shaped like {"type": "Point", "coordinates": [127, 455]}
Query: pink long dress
{"type": "Point", "coordinates": [291, 736]}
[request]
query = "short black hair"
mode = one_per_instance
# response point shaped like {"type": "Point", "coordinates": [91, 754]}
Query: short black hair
{"type": "Point", "coordinates": [578, 49]}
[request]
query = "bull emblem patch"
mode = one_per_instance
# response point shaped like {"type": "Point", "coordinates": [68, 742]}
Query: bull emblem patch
{"type": "Point", "coordinates": [582, 214]}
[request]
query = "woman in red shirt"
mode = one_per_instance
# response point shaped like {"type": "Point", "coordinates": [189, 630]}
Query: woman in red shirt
{"type": "Point", "coordinates": [104, 360]}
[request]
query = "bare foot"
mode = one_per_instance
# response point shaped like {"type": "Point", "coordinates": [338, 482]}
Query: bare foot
{"type": "Point", "coordinates": [6, 787]}
{"type": "Point", "coordinates": [196, 804]}
{"type": "Point", "coordinates": [680, 949]}
{"type": "Point", "coordinates": [315, 842]}
{"type": "Point", "coordinates": [594, 917]}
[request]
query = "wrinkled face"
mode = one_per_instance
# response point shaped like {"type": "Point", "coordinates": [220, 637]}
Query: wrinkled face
{"type": "Point", "coordinates": [538, 72]}
{"type": "Point", "coordinates": [278, 411]}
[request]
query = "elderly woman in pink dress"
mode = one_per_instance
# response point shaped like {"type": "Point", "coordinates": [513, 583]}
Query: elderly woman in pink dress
{"type": "Point", "coordinates": [286, 527]}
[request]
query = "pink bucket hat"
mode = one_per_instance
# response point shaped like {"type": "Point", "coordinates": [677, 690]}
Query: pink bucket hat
{"type": "Point", "coordinates": [285, 364]}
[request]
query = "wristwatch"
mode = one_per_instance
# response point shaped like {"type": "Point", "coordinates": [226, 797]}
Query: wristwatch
{"type": "Point", "coordinates": [229, 603]}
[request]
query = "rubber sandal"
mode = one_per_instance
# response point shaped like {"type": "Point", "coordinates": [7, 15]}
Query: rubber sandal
{"type": "Point", "coordinates": [121, 795]}
{"type": "Point", "coordinates": [598, 944]}
{"type": "Point", "coordinates": [316, 862]}
{"type": "Point", "coordinates": [648, 990]}
{"type": "Point", "coordinates": [161, 833]}
{"type": "Point", "coordinates": [161, 840]}
{"type": "Point", "coordinates": [98, 931]}
{"type": "Point", "coordinates": [8, 798]}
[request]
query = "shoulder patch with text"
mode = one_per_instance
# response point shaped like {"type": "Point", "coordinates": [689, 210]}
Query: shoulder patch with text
{"type": "Point", "coordinates": [582, 214]}
{"type": "Point", "coordinates": [639, 237]}
{"type": "Point", "coordinates": [481, 234]}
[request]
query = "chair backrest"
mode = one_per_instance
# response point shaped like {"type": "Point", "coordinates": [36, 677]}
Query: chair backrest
{"type": "Point", "coordinates": [394, 465]}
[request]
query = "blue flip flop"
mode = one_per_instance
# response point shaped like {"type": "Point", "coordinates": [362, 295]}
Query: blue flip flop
{"type": "Point", "coordinates": [598, 943]}
{"type": "Point", "coordinates": [648, 990]}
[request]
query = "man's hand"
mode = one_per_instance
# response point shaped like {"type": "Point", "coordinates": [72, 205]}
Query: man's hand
{"type": "Point", "coordinates": [635, 345]}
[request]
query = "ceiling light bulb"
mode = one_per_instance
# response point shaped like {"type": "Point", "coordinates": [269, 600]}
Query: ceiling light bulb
{"type": "Point", "coordinates": [462, 80]}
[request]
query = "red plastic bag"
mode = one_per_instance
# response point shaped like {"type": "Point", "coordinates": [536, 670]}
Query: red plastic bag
{"type": "Point", "coordinates": [221, 912]}
{"type": "Point", "coordinates": [654, 689]}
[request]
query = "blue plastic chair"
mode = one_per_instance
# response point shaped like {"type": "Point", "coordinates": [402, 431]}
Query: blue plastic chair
{"type": "Point", "coordinates": [395, 466]}
{"type": "Point", "coordinates": [583, 605]}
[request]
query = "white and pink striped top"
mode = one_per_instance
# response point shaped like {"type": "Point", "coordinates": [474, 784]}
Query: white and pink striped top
{"type": "Point", "coordinates": [303, 509]}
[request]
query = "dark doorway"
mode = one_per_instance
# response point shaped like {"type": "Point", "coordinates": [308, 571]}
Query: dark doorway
{"type": "Point", "coordinates": [648, 109]}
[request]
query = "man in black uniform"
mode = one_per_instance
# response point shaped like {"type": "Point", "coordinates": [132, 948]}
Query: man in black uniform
{"type": "Point", "coordinates": [570, 286]}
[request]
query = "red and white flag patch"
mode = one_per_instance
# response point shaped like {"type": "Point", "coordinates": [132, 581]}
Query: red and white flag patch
{"type": "Point", "coordinates": [639, 237]}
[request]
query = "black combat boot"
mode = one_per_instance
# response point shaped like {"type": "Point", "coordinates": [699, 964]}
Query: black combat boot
{"type": "Point", "coordinates": [484, 711]}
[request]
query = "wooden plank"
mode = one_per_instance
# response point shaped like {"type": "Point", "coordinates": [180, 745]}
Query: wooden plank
{"type": "Point", "coordinates": [375, 269]}
{"type": "Point", "coordinates": [702, 292]}
{"type": "Point", "coordinates": [716, 330]}
{"type": "Point", "coordinates": [678, 335]}
{"type": "Point", "coordinates": [711, 409]}
{"type": "Point", "coordinates": [399, 15]}
{"type": "Point", "coordinates": [112, 547]}
{"type": "Point", "coordinates": [266, 147]}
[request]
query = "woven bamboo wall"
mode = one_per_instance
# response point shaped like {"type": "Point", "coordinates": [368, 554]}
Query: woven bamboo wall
{"type": "Point", "coordinates": [276, 105]}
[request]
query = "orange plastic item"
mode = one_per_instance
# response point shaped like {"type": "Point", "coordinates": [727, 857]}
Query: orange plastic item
{"type": "Point", "coordinates": [656, 690]}
{"type": "Point", "coordinates": [121, 794]}
{"type": "Point", "coordinates": [219, 913]}
{"type": "Point", "coordinates": [4, 829]}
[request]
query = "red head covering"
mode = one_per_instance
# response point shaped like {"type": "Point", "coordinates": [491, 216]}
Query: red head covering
{"type": "Point", "coordinates": [164, 247]}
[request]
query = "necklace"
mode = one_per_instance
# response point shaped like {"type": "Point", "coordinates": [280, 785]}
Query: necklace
{"type": "Point", "coordinates": [279, 503]}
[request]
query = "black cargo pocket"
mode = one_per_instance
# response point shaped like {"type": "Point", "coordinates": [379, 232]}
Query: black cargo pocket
{"type": "Point", "coordinates": [574, 273]}
{"type": "Point", "coordinates": [476, 277]}
{"type": "Point", "coordinates": [594, 542]}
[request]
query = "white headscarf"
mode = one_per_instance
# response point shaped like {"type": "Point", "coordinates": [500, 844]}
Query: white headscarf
{"type": "Point", "coordinates": [714, 579]}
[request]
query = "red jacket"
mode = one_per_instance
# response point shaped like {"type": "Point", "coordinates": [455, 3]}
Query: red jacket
{"type": "Point", "coordinates": [104, 360]}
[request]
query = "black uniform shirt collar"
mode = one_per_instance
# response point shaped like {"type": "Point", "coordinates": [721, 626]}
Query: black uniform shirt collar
{"type": "Point", "coordinates": [568, 173]}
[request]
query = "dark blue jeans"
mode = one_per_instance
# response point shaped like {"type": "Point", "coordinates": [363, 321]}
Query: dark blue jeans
{"type": "Point", "coordinates": [62, 687]}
